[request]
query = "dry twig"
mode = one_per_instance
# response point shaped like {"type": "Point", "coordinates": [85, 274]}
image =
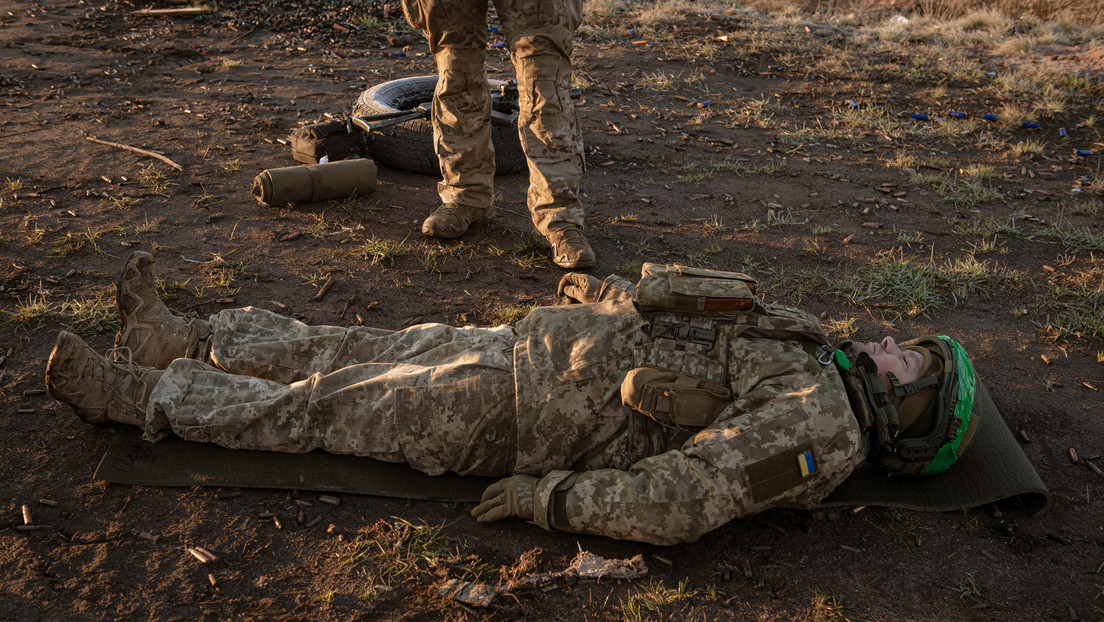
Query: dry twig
{"type": "Point", "coordinates": [136, 150]}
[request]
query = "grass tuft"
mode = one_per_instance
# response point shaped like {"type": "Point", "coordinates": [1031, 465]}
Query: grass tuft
{"type": "Point", "coordinates": [401, 550]}
{"type": "Point", "coordinates": [381, 251]}
{"type": "Point", "coordinates": [916, 287]}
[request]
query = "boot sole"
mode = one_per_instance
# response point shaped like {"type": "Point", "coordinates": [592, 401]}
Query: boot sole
{"type": "Point", "coordinates": [67, 347]}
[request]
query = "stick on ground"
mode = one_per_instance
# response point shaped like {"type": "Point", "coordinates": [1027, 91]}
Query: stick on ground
{"type": "Point", "coordinates": [136, 150]}
{"type": "Point", "coordinates": [183, 12]}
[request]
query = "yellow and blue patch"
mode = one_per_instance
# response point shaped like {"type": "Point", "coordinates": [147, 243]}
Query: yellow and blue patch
{"type": "Point", "coordinates": [806, 464]}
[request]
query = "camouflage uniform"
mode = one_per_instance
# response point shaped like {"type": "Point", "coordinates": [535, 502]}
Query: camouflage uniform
{"type": "Point", "coordinates": [539, 35]}
{"type": "Point", "coordinates": [542, 399]}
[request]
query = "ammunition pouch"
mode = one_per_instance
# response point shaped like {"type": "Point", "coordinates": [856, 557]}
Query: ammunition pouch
{"type": "Point", "coordinates": [674, 399]}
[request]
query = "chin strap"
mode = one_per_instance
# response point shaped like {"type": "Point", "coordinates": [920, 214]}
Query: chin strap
{"type": "Point", "coordinates": [902, 391]}
{"type": "Point", "coordinates": [870, 399]}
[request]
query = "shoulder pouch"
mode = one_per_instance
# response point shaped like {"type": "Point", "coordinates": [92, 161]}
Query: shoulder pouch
{"type": "Point", "coordinates": [697, 291]}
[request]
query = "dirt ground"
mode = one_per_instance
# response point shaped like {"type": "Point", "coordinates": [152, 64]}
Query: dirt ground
{"type": "Point", "coordinates": [670, 178]}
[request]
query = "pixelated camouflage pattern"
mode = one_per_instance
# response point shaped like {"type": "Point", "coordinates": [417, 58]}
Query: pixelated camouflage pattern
{"type": "Point", "coordinates": [569, 365]}
{"type": "Point", "coordinates": [785, 399]}
{"type": "Point", "coordinates": [688, 289]}
{"type": "Point", "coordinates": [443, 398]}
{"type": "Point", "coordinates": [539, 35]}
{"type": "Point", "coordinates": [436, 397]}
{"type": "Point", "coordinates": [615, 287]}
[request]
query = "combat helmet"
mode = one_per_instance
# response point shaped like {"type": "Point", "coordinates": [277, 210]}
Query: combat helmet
{"type": "Point", "coordinates": [920, 427]}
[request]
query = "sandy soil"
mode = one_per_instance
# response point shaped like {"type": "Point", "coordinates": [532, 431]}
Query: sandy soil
{"type": "Point", "coordinates": [216, 95]}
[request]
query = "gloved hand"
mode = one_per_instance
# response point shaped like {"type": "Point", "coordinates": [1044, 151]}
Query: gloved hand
{"type": "Point", "coordinates": [576, 287]}
{"type": "Point", "coordinates": [512, 496]}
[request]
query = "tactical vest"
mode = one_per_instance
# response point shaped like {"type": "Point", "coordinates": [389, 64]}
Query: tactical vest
{"type": "Point", "coordinates": [680, 377]}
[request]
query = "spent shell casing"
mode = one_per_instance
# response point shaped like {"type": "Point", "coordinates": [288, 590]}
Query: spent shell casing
{"type": "Point", "coordinates": [202, 556]}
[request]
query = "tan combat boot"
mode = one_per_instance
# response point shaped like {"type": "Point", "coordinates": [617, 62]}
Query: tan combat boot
{"type": "Point", "coordinates": [569, 248]}
{"type": "Point", "coordinates": [99, 390]}
{"type": "Point", "coordinates": [452, 221]}
{"type": "Point", "coordinates": [154, 335]}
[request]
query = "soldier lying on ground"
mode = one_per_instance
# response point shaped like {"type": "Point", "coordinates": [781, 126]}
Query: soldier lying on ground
{"type": "Point", "coordinates": [613, 415]}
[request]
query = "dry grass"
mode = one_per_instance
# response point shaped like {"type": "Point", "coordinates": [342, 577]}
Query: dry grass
{"type": "Point", "coordinates": [1077, 11]}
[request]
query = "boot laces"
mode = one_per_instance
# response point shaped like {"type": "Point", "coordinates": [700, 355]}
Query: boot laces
{"type": "Point", "coordinates": [121, 361]}
{"type": "Point", "coordinates": [570, 237]}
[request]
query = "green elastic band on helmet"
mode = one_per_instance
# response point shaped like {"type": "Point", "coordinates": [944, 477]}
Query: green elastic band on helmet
{"type": "Point", "coordinates": [841, 359]}
{"type": "Point", "coordinates": [964, 407]}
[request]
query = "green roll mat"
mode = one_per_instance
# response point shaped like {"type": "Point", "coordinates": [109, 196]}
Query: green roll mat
{"type": "Point", "coordinates": [993, 469]}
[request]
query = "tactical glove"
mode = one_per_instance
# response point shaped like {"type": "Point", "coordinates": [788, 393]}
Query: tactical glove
{"type": "Point", "coordinates": [512, 496]}
{"type": "Point", "coordinates": [576, 287]}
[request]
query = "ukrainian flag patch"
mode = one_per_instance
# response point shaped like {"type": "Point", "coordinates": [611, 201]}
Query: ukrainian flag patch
{"type": "Point", "coordinates": [805, 463]}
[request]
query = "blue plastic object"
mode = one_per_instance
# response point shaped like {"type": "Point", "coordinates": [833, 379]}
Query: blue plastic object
{"type": "Point", "coordinates": [1031, 125]}
{"type": "Point", "coordinates": [1062, 132]}
{"type": "Point", "coordinates": [919, 117]}
{"type": "Point", "coordinates": [957, 115]}
{"type": "Point", "coordinates": [705, 103]}
{"type": "Point", "coordinates": [398, 54]}
{"type": "Point", "coordinates": [990, 116]}
{"type": "Point", "coordinates": [852, 103]}
{"type": "Point", "coordinates": [499, 44]}
{"type": "Point", "coordinates": [1084, 152]}
{"type": "Point", "coordinates": [492, 29]}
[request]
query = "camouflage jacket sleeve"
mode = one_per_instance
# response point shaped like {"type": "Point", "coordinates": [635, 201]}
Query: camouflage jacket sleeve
{"type": "Point", "coordinates": [616, 287]}
{"type": "Point", "coordinates": [749, 460]}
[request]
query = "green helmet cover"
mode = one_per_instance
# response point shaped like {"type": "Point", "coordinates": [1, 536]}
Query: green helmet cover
{"type": "Point", "coordinates": [963, 403]}
{"type": "Point", "coordinates": [936, 449]}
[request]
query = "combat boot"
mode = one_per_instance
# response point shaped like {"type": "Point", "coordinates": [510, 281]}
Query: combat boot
{"type": "Point", "coordinates": [154, 334]}
{"type": "Point", "coordinates": [452, 221]}
{"type": "Point", "coordinates": [569, 248]}
{"type": "Point", "coordinates": [98, 389]}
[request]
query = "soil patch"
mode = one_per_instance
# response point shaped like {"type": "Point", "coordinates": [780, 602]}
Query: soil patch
{"type": "Point", "coordinates": [709, 141]}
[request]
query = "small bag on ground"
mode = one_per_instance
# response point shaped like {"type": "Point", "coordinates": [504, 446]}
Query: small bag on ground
{"type": "Point", "coordinates": [336, 140]}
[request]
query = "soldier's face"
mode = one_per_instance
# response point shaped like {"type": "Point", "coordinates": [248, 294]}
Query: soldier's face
{"type": "Point", "coordinates": [906, 365]}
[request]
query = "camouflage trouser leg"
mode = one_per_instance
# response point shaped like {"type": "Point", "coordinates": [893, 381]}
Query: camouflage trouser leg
{"type": "Point", "coordinates": [255, 342]}
{"type": "Point", "coordinates": [435, 397]}
{"type": "Point", "coordinates": [540, 34]}
{"type": "Point", "coordinates": [457, 34]}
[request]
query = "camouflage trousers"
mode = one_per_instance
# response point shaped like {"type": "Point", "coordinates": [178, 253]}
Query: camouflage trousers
{"type": "Point", "coordinates": [539, 35]}
{"type": "Point", "coordinates": [436, 397]}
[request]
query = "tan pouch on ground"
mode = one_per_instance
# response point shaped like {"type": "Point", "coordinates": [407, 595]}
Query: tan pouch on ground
{"type": "Point", "coordinates": [315, 182]}
{"type": "Point", "coordinates": [674, 398]}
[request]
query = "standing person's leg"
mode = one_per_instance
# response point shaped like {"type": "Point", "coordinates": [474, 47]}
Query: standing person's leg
{"type": "Point", "coordinates": [458, 416]}
{"type": "Point", "coordinates": [457, 34]}
{"type": "Point", "coordinates": [540, 38]}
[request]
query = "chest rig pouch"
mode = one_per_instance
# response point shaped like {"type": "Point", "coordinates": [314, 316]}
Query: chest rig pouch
{"type": "Point", "coordinates": [680, 378]}
{"type": "Point", "coordinates": [695, 291]}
